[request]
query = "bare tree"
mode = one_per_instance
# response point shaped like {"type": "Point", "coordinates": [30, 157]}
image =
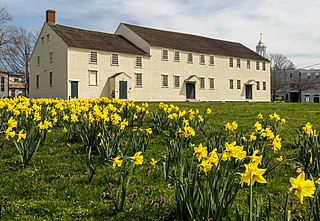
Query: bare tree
{"type": "Point", "coordinates": [15, 55]}
{"type": "Point", "coordinates": [279, 64]}
{"type": "Point", "coordinates": [5, 28]}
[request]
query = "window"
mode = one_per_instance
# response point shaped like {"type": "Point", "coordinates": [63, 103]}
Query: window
{"type": "Point", "coordinates": [114, 59]}
{"type": "Point", "coordinates": [263, 66]}
{"type": "Point", "coordinates": [231, 62]}
{"type": "Point", "coordinates": [258, 85]}
{"type": "Point", "coordinates": [211, 60]}
{"type": "Point", "coordinates": [138, 61]}
{"type": "Point", "coordinates": [38, 60]}
{"type": "Point", "coordinates": [176, 56]}
{"type": "Point", "coordinates": [42, 40]}
{"type": "Point", "coordinates": [2, 84]}
{"type": "Point", "coordinates": [93, 78]}
{"type": "Point", "coordinates": [165, 54]}
{"type": "Point", "coordinates": [317, 75]}
{"type": "Point", "coordinates": [51, 78]}
{"type": "Point", "coordinates": [165, 80]}
{"type": "Point", "coordinates": [248, 64]}
{"type": "Point", "coordinates": [51, 57]}
{"type": "Point", "coordinates": [190, 58]}
{"type": "Point", "coordinates": [308, 76]}
{"type": "Point", "coordinates": [257, 65]}
{"type": "Point", "coordinates": [37, 80]}
{"type": "Point", "coordinates": [290, 75]}
{"type": "Point", "coordinates": [238, 84]}
{"type": "Point", "coordinates": [238, 63]}
{"type": "Point", "coordinates": [138, 80]}
{"type": "Point", "coordinates": [93, 57]}
{"type": "Point", "coordinates": [264, 85]}
{"type": "Point", "coordinates": [202, 59]}
{"type": "Point", "coordinates": [202, 83]}
{"type": "Point", "coordinates": [48, 37]}
{"type": "Point", "coordinates": [176, 81]}
{"type": "Point", "coordinates": [231, 83]}
{"type": "Point", "coordinates": [211, 83]}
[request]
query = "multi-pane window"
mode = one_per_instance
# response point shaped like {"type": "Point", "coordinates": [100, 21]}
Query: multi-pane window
{"type": "Point", "coordinates": [176, 81]}
{"type": "Point", "coordinates": [211, 60]}
{"type": "Point", "coordinates": [2, 83]}
{"type": "Point", "coordinates": [248, 64]}
{"type": "Point", "coordinates": [51, 78]}
{"type": "Point", "coordinates": [238, 63]}
{"type": "Point", "coordinates": [114, 59]}
{"type": "Point", "coordinates": [211, 83]}
{"type": "Point", "coordinates": [231, 62]}
{"type": "Point", "coordinates": [238, 84]}
{"type": "Point", "coordinates": [257, 65]}
{"type": "Point", "coordinates": [93, 57]}
{"type": "Point", "coordinates": [138, 79]}
{"type": "Point", "coordinates": [93, 77]}
{"type": "Point", "coordinates": [290, 75]}
{"type": "Point", "coordinates": [38, 60]}
{"type": "Point", "coordinates": [165, 80]}
{"type": "Point", "coordinates": [37, 80]}
{"type": "Point", "coordinates": [202, 83]}
{"type": "Point", "coordinates": [263, 66]}
{"type": "Point", "coordinates": [176, 56]}
{"type": "Point", "coordinates": [258, 85]}
{"type": "Point", "coordinates": [190, 57]}
{"type": "Point", "coordinates": [202, 59]}
{"type": "Point", "coordinates": [231, 83]}
{"type": "Point", "coordinates": [139, 61]}
{"type": "Point", "coordinates": [165, 54]}
{"type": "Point", "coordinates": [51, 57]}
{"type": "Point", "coordinates": [264, 85]}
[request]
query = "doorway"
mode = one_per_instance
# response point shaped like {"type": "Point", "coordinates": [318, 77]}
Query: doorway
{"type": "Point", "coordinates": [248, 91]}
{"type": "Point", "coordinates": [123, 88]}
{"type": "Point", "coordinates": [74, 89]}
{"type": "Point", "coordinates": [190, 91]}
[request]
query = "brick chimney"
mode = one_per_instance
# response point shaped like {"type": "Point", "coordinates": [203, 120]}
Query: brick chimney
{"type": "Point", "coordinates": [50, 16]}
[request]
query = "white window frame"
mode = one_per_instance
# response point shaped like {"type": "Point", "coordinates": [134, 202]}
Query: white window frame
{"type": "Point", "coordinates": [51, 56]}
{"type": "Point", "coordinates": [231, 62]}
{"type": "Point", "coordinates": [258, 85]}
{"type": "Point", "coordinates": [264, 85]}
{"type": "Point", "coordinates": [231, 84]}
{"type": "Point", "coordinates": [238, 63]}
{"type": "Point", "coordinates": [165, 55]}
{"type": "Point", "coordinates": [202, 83]}
{"type": "Point", "coordinates": [93, 57]}
{"type": "Point", "coordinates": [239, 84]}
{"type": "Point", "coordinates": [211, 60]}
{"type": "Point", "coordinates": [114, 59]}
{"type": "Point", "coordinates": [165, 80]}
{"type": "Point", "coordinates": [176, 81]}
{"type": "Point", "coordinates": [190, 57]}
{"type": "Point", "coordinates": [248, 64]}
{"type": "Point", "coordinates": [138, 79]}
{"type": "Point", "coordinates": [202, 59]}
{"type": "Point", "coordinates": [176, 56]}
{"type": "Point", "coordinates": [263, 66]}
{"type": "Point", "coordinates": [51, 78]}
{"type": "Point", "coordinates": [2, 83]}
{"type": "Point", "coordinates": [257, 65]}
{"type": "Point", "coordinates": [93, 78]}
{"type": "Point", "coordinates": [139, 62]}
{"type": "Point", "coordinates": [211, 83]}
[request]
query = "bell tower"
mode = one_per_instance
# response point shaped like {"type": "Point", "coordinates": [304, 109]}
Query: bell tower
{"type": "Point", "coordinates": [261, 48]}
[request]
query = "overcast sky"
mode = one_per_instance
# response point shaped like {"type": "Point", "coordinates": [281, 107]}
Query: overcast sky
{"type": "Point", "coordinates": [289, 27]}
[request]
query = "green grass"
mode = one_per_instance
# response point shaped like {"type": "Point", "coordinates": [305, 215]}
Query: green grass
{"type": "Point", "coordinates": [54, 186]}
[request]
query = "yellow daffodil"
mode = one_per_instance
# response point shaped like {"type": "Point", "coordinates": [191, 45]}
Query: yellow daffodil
{"type": "Point", "coordinates": [254, 173]}
{"type": "Point", "coordinates": [21, 135]}
{"type": "Point", "coordinates": [260, 116]}
{"type": "Point", "coordinates": [254, 158]}
{"type": "Point", "coordinates": [200, 152]}
{"type": "Point", "coordinates": [318, 181]}
{"type": "Point", "coordinates": [137, 159]}
{"type": "Point", "coordinates": [205, 166]}
{"type": "Point", "coordinates": [209, 111]}
{"type": "Point", "coordinates": [301, 187]}
{"type": "Point", "coordinates": [280, 159]}
{"type": "Point", "coordinates": [117, 162]}
{"type": "Point", "coordinates": [276, 143]}
{"type": "Point", "coordinates": [153, 162]}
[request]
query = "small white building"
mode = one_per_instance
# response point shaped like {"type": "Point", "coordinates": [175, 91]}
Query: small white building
{"type": "Point", "coordinates": [144, 64]}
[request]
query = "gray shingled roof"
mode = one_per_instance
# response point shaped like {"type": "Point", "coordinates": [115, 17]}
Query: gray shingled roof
{"type": "Point", "coordinates": [80, 38]}
{"type": "Point", "coordinates": [194, 43]}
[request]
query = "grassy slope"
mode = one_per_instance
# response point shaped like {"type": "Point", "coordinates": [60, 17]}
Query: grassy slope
{"type": "Point", "coordinates": [54, 185]}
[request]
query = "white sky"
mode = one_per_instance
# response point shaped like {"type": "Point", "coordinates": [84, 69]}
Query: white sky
{"type": "Point", "coordinates": [289, 27]}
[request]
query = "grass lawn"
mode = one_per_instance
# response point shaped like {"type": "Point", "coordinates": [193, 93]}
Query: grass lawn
{"type": "Point", "coordinates": [54, 185]}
